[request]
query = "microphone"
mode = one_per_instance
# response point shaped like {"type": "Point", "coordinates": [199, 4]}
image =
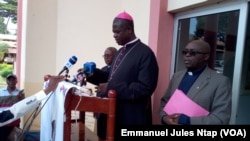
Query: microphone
{"type": "Point", "coordinates": [89, 67]}
{"type": "Point", "coordinates": [68, 64]}
{"type": "Point", "coordinates": [82, 73]}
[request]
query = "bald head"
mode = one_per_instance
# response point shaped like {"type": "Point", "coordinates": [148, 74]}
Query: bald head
{"type": "Point", "coordinates": [203, 45]}
{"type": "Point", "coordinates": [112, 49]}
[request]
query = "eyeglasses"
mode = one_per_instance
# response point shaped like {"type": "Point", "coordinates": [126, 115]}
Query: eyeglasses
{"type": "Point", "coordinates": [192, 52]}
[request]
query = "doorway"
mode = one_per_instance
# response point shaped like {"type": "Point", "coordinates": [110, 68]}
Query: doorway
{"type": "Point", "coordinates": [223, 27]}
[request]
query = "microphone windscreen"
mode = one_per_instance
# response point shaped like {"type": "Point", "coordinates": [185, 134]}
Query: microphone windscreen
{"type": "Point", "coordinates": [71, 62]}
{"type": "Point", "coordinates": [89, 67]}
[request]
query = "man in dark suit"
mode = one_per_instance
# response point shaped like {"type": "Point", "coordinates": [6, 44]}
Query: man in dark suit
{"type": "Point", "coordinates": [133, 75]}
{"type": "Point", "coordinates": [108, 56]}
{"type": "Point", "coordinates": [202, 85]}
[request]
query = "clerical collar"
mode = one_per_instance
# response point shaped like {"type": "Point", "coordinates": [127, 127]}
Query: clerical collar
{"type": "Point", "coordinates": [131, 42]}
{"type": "Point", "coordinates": [196, 72]}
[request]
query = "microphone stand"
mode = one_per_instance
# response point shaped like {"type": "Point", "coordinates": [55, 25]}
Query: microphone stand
{"type": "Point", "coordinates": [67, 75]}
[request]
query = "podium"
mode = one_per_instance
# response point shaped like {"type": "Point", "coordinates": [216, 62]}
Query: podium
{"type": "Point", "coordinates": [89, 104]}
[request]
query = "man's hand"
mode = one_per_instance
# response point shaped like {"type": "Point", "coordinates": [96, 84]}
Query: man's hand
{"type": "Point", "coordinates": [53, 82]}
{"type": "Point", "coordinates": [21, 94]}
{"type": "Point", "coordinates": [101, 88]}
{"type": "Point", "coordinates": [171, 119]}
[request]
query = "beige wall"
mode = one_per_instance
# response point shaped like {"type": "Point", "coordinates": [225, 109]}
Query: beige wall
{"type": "Point", "coordinates": [56, 30]}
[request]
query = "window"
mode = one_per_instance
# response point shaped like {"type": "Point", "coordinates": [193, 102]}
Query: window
{"type": "Point", "coordinates": [219, 30]}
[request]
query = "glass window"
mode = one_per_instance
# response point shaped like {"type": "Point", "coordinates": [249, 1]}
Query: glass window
{"type": "Point", "coordinates": [219, 30]}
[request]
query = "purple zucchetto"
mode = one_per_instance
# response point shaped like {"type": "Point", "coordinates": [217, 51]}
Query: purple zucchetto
{"type": "Point", "coordinates": [124, 15]}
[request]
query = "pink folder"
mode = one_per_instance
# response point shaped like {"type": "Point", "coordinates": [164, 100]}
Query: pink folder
{"type": "Point", "coordinates": [181, 103]}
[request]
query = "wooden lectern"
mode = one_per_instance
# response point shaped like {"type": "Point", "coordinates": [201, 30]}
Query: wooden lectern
{"type": "Point", "coordinates": [89, 104]}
